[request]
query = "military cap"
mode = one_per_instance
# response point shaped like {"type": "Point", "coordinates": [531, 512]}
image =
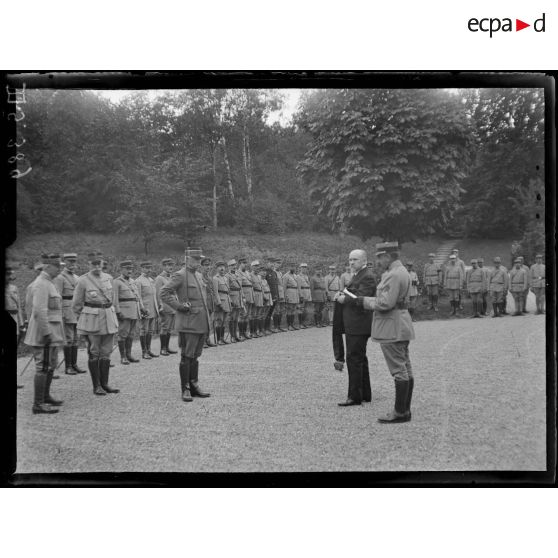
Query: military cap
{"type": "Point", "coordinates": [146, 264]}
{"type": "Point", "coordinates": [231, 262]}
{"type": "Point", "coordinates": [453, 257]}
{"type": "Point", "coordinates": [38, 266]}
{"type": "Point", "coordinates": [220, 262]}
{"type": "Point", "coordinates": [303, 265]}
{"type": "Point", "coordinates": [126, 263]}
{"type": "Point", "coordinates": [166, 261]}
{"type": "Point", "coordinates": [193, 252]}
{"type": "Point", "coordinates": [94, 257]}
{"type": "Point", "coordinates": [51, 258]}
{"type": "Point", "coordinates": [69, 256]}
{"type": "Point", "coordinates": [474, 261]}
{"type": "Point", "coordinates": [497, 259]}
{"type": "Point", "coordinates": [278, 260]}
{"type": "Point", "coordinates": [480, 260]}
{"type": "Point", "coordinates": [409, 263]}
{"type": "Point", "coordinates": [431, 255]}
{"type": "Point", "coordinates": [454, 250]}
{"type": "Point", "coordinates": [242, 260]}
{"type": "Point", "coordinates": [538, 256]}
{"type": "Point", "coordinates": [255, 262]}
{"type": "Point", "coordinates": [205, 259]}
{"type": "Point", "coordinates": [386, 247]}
{"type": "Point", "coordinates": [517, 260]}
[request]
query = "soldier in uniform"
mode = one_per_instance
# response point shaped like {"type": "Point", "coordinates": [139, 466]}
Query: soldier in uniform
{"type": "Point", "coordinates": [14, 307]}
{"type": "Point", "coordinates": [237, 300]}
{"type": "Point", "coordinates": [279, 311]}
{"type": "Point", "coordinates": [432, 278]}
{"type": "Point", "coordinates": [128, 306]}
{"type": "Point", "coordinates": [460, 263]}
{"type": "Point", "coordinates": [272, 281]}
{"type": "Point", "coordinates": [146, 289]}
{"type": "Point", "coordinates": [105, 270]}
{"type": "Point", "coordinates": [497, 285]}
{"type": "Point", "coordinates": [393, 329]}
{"type": "Point", "coordinates": [256, 326]}
{"type": "Point", "coordinates": [453, 282]}
{"type": "Point", "coordinates": [333, 286]}
{"type": "Point", "coordinates": [517, 283]}
{"type": "Point", "coordinates": [538, 282]}
{"type": "Point", "coordinates": [484, 289]}
{"type": "Point", "coordinates": [223, 308]}
{"type": "Point", "coordinates": [267, 300]}
{"type": "Point", "coordinates": [166, 313]}
{"type": "Point", "coordinates": [185, 293]}
{"type": "Point", "coordinates": [97, 320]}
{"type": "Point", "coordinates": [318, 295]}
{"type": "Point", "coordinates": [306, 307]}
{"type": "Point", "coordinates": [292, 295]}
{"type": "Point", "coordinates": [413, 290]}
{"type": "Point", "coordinates": [247, 315]}
{"type": "Point", "coordinates": [526, 291]}
{"type": "Point", "coordinates": [65, 282]}
{"type": "Point", "coordinates": [211, 301]}
{"type": "Point", "coordinates": [45, 333]}
{"type": "Point", "coordinates": [474, 281]}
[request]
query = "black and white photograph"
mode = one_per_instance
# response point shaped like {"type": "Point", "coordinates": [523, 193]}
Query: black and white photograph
{"type": "Point", "coordinates": [298, 273]}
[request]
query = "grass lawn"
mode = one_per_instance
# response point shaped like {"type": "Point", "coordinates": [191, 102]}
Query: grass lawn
{"type": "Point", "coordinates": [479, 405]}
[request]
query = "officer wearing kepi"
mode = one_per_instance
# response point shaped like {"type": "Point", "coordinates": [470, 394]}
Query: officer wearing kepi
{"type": "Point", "coordinates": [127, 305]}
{"type": "Point", "coordinates": [237, 300]}
{"type": "Point", "coordinates": [45, 333]}
{"type": "Point", "coordinates": [484, 290]}
{"type": "Point", "coordinates": [185, 293]}
{"type": "Point", "coordinates": [392, 327]}
{"type": "Point", "coordinates": [497, 286]}
{"type": "Point", "coordinates": [279, 311]}
{"type": "Point", "coordinates": [292, 295]}
{"type": "Point", "coordinates": [97, 320]}
{"type": "Point", "coordinates": [65, 282]}
{"type": "Point", "coordinates": [518, 283]}
{"type": "Point", "coordinates": [538, 282]}
{"type": "Point", "coordinates": [146, 289]}
{"type": "Point", "coordinates": [246, 316]}
{"type": "Point", "coordinates": [432, 277]}
{"type": "Point", "coordinates": [474, 281]}
{"type": "Point", "coordinates": [166, 313]}
{"type": "Point", "coordinates": [223, 309]}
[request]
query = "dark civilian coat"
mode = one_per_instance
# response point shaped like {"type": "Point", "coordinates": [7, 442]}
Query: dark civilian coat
{"type": "Point", "coordinates": [357, 320]}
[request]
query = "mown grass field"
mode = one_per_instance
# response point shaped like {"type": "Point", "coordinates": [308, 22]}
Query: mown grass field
{"type": "Point", "coordinates": [479, 404]}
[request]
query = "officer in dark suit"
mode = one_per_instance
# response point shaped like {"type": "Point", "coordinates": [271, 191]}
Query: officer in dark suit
{"type": "Point", "coordinates": [357, 323]}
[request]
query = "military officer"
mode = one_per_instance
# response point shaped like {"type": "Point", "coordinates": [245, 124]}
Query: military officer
{"type": "Point", "coordinates": [460, 263]}
{"type": "Point", "coordinates": [267, 301]}
{"type": "Point", "coordinates": [185, 293]}
{"type": "Point", "coordinates": [538, 282]}
{"type": "Point", "coordinates": [279, 311]}
{"type": "Point", "coordinates": [392, 328]}
{"type": "Point", "coordinates": [246, 316]}
{"type": "Point", "coordinates": [474, 281]}
{"type": "Point", "coordinates": [273, 282]}
{"type": "Point", "coordinates": [345, 277]}
{"type": "Point", "coordinates": [413, 290]}
{"type": "Point", "coordinates": [105, 270]}
{"type": "Point", "coordinates": [166, 313]}
{"type": "Point", "coordinates": [237, 300]}
{"type": "Point", "coordinates": [127, 305]}
{"type": "Point", "coordinates": [517, 283]}
{"type": "Point", "coordinates": [65, 282]}
{"type": "Point", "coordinates": [223, 308]}
{"type": "Point", "coordinates": [484, 289]}
{"type": "Point", "coordinates": [45, 333]}
{"type": "Point", "coordinates": [12, 301]}
{"type": "Point", "coordinates": [292, 295]}
{"type": "Point", "coordinates": [318, 295]}
{"type": "Point", "coordinates": [497, 285]}
{"type": "Point", "coordinates": [333, 286]}
{"type": "Point", "coordinates": [306, 306]}
{"type": "Point", "coordinates": [92, 302]}
{"type": "Point", "coordinates": [211, 300]}
{"type": "Point", "coordinates": [526, 291]}
{"type": "Point", "coordinates": [146, 289]}
{"type": "Point", "coordinates": [257, 323]}
{"type": "Point", "coordinates": [432, 277]}
{"type": "Point", "coordinates": [453, 282]}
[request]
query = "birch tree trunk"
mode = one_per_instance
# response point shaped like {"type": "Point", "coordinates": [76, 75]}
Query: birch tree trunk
{"type": "Point", "coordinates": [214, 153]}
{"type": "Point", "coordinates": [227, 167]}
{"type": "Point", "coordinates": [247, 159]}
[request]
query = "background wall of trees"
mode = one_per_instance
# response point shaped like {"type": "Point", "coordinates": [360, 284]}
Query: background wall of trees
{"type": "Point", "coordinates": [394, 163]}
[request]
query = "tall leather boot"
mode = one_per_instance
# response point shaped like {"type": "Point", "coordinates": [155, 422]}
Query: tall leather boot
{"type": "Point", "coordinates": [163, 340]}
{"type": "Point", "coordinates": [74, 355]}
{"type": "Point", "coordinates": [293, 322]}
{"type": "Point", "coordinates": [148, 346]}
{"type": "Point", "coordinates": [184, 369]}
{"type": "Point", "coordinates": [122, 350]}
{"type": "Point", "coordinates": [435, 297]}
{"type": "Point", "coordinates": [195, 389]}
{"type": "Point", "coordinates": [169, 350]}
{"type": "Point", "coordinates": [236, 332]}
{"type": "Point", "coordinates": [95, 372]}
{"type": "Point", "coordinates": [68, 361]}
{"type": "Point", "coordinates": [39, 405]}
{"type": "Point", "coordinates": [144, 353]}
{"type": "Point", "coordinates": [128, 343]}
{"type": "Point", "coordinates": [399, 413]}
{"type": "Point", "coordinates": [495, 309]}
{"type": "Point", "coordinates": [104, 367]}
{"type": "Point", "coordinates": [261, 327]}
{"type": "Point", "coordinates": [231, 332]}
{"type": "Point", "coordinates": [49, 400]}
{"type": "Point", "coordinates": [409, 396]}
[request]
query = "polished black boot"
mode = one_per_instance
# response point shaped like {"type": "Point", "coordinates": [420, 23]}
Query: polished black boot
{"type": "Point", "coordinates": [163, 340]}
{"type": "Point", "coordinates": [148, 346]}
{"type": "Point", "coordinates": [74, 355]}
{"type": "Point", "coordinates": [184, 369]}
{"type": "Point", "coordinates": [48, 399]}
{"type": "Point", "coordinates": [409, 396]}
{"type": "Point", "coordinates": [194, 387]}
{"type": "Point", "coordinates": [144, 353]}
{"type": "Point", "coordinates": [399, 413]}
{"type": "Point", "coordinates": [128, 343]}
{"type": "Point", "coordinates": [68, 361]}
{"type": "Point", "coordinates": [231, 332]}
{"type": "Point", "coordinates": [39, 405]}
{"type": "Point", "coordinates": [495, 310]}
{"type": "Point", "coordinates": [122, 350]}
{"type": "Point", "coordinates": [169, 350]}
{"type": "Point", "coordinates": [96, 376]}
{"type": "Point", "coordinates": [104, 366]}
{"type": "Point", "coordinates": [236, 332]}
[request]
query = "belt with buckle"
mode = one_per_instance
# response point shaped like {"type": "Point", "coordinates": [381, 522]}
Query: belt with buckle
{"type": "Point", "coordinates": [107, 305]}
{"type": "Point", "coordinates": [67, 297]}
{"type": "Point", "coordinates": [126, 300]}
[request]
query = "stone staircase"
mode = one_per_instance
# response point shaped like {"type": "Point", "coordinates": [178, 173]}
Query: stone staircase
{"type": "Point", "coordinates": [443, 252]}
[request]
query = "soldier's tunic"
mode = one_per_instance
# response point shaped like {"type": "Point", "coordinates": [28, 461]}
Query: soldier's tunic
{"type": "Point", "coordinates": [413, 289]}
{"type": "Point", "coordinates": [306, 306]}
{"type": "Point", "coordinates": [475, 279]}
{"type": "Point", "coordinates": [292, 292]}
{"type": "Point", "coordinates": [126, 301]}
{"type": "Point", "coordinates": [259, 309]}
{"type": "Point", "coordinates": [272, 280]}
{"type": "Point", "coordinates": [66, 282]}
{"type": "Point", "coordinates": [193, 326]}
{"type": "Point", "coordinates": [498, 284]}
{"type": "Point", "coordinates": [97, 320]}
{"type": "Point", "coordinates": [518, 281]}
{"type": "Point", "coordinates": [538, 284]}
{"type": "Point", "coordinates": [392, 326]}
{"type": "Point", "coordinates": [147, 294]}
{"type": "Point", "coordinates": [13, 305]}
{"type": "Point", "coordinates": [484, 288]}
{"type": "Point", "coordinates": [431, 277]}
{"type": "Point", "coordinates": [318, 294]}
{"type": "Point", "coordinates": [236, 296]}
{"type": "Point", "coordinates": [280, 304]}
{"type": "Point", "coordinates": [453, 280]}
{"type": "Point", "coordinates": [166, 313]}
{"type": "Point", "coordinates": [248, 294]}
{"type": "Point", "coordinates": [266, 292]}
{"type": "Point", "coordinates": [526, 291]}
{"type": "Point", "coordinates": [223, 308]}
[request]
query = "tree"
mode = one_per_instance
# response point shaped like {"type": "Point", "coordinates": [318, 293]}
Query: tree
{"type": "Point", "coordinates": [385, 162]}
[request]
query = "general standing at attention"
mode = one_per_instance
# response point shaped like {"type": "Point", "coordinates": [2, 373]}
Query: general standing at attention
{"type": "Point", "coordinates": [185, 293]}
{"type": "Point", "coordinates": [392, 328]}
